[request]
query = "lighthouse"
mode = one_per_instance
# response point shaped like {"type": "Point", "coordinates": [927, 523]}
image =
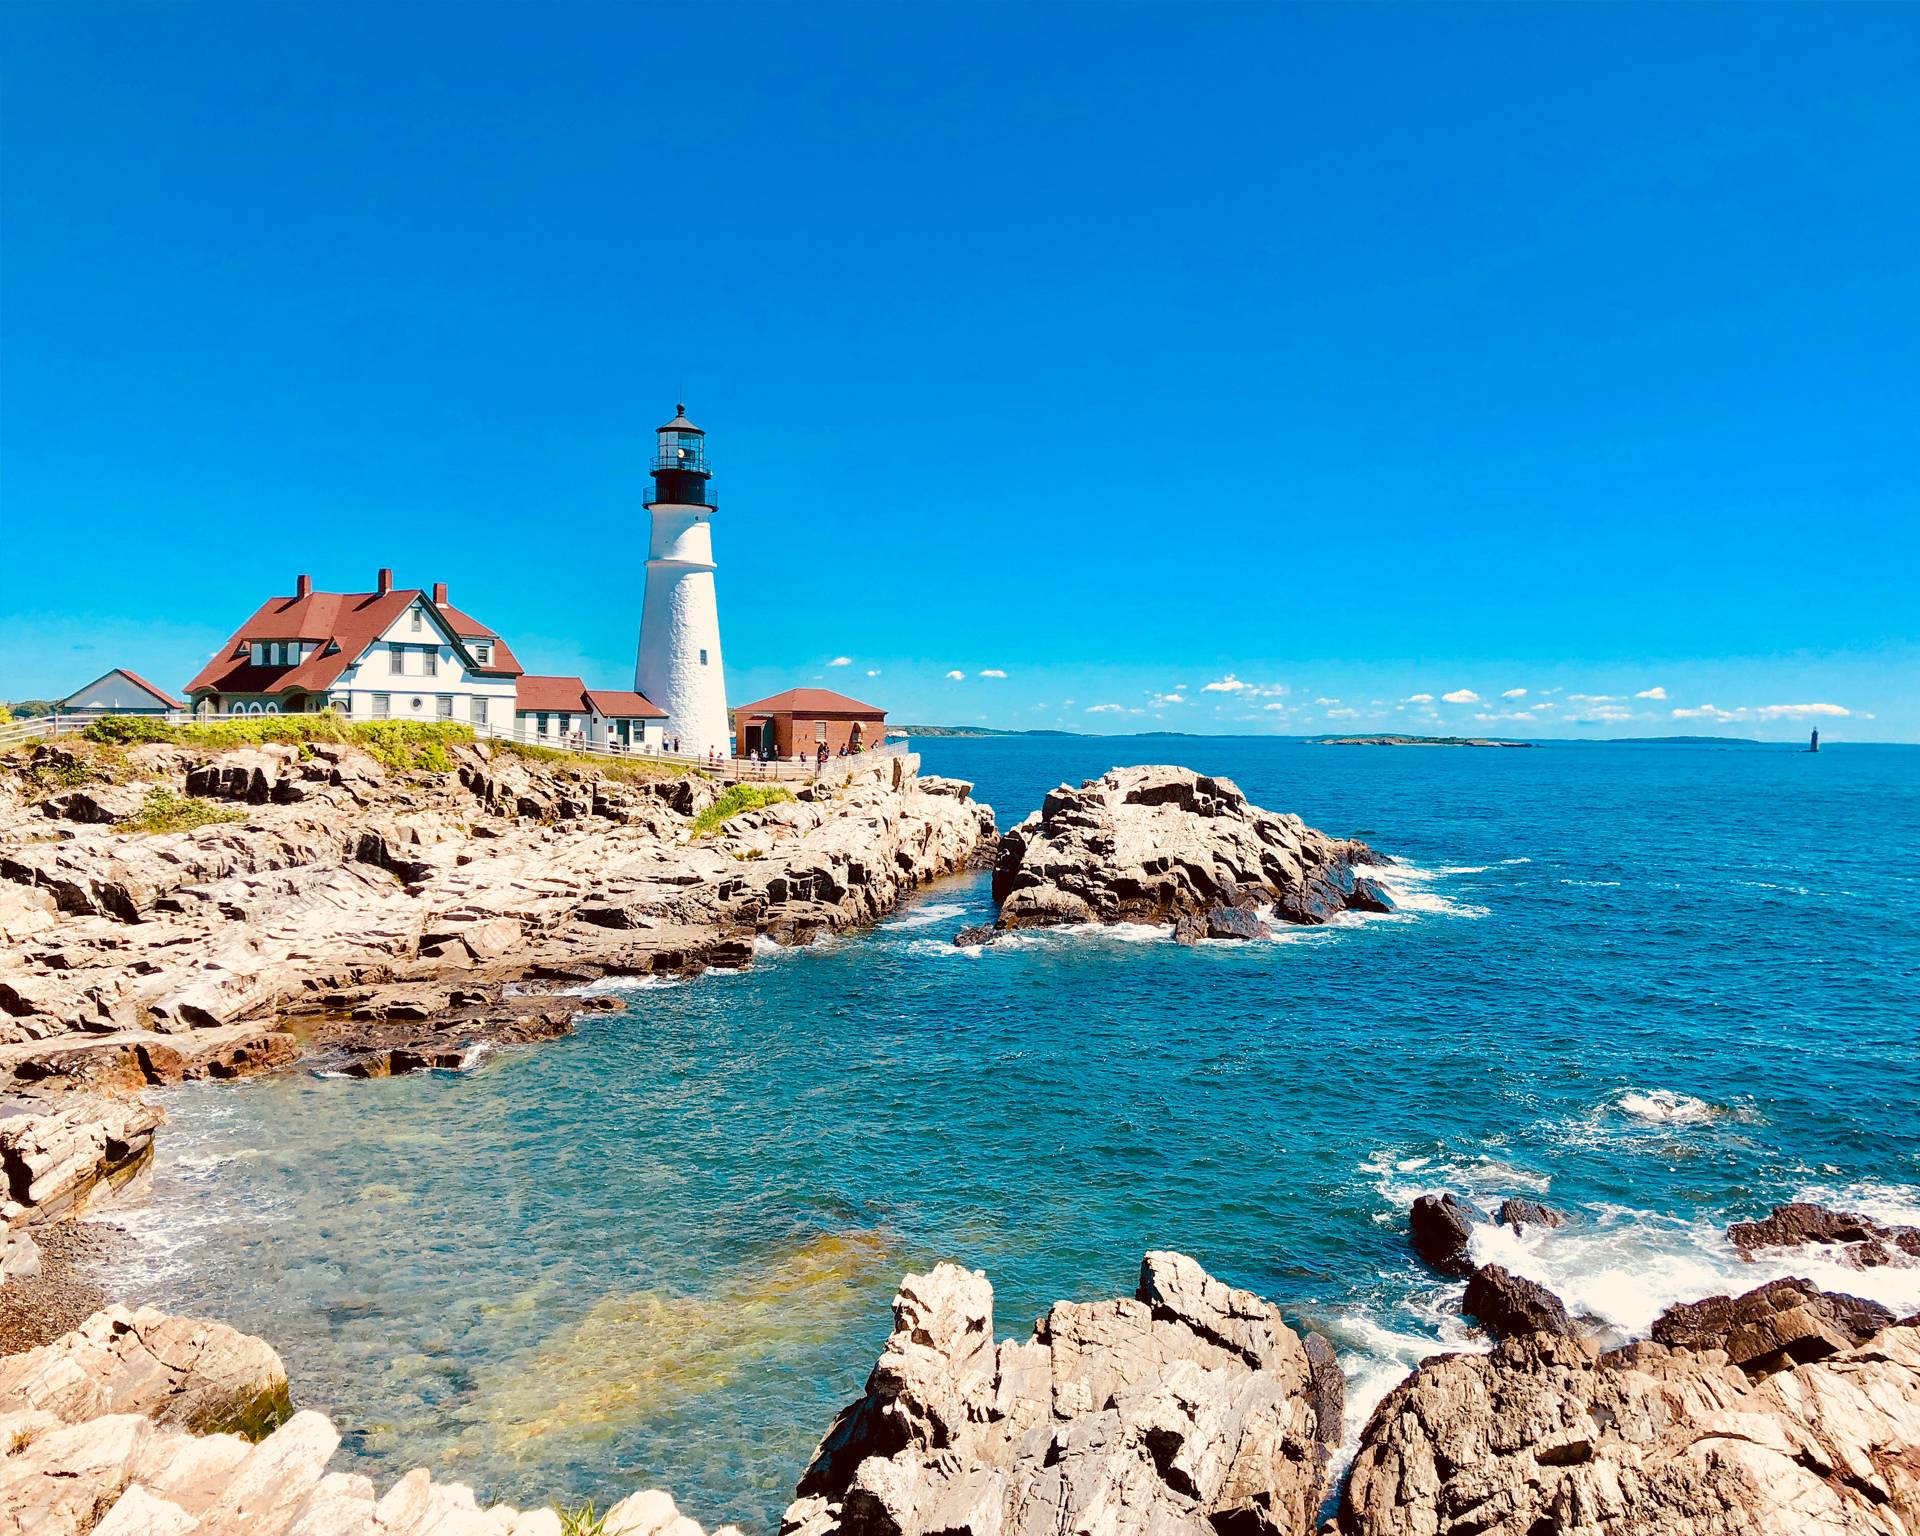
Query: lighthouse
{"type": "Point", "coordinates": [679, 663]}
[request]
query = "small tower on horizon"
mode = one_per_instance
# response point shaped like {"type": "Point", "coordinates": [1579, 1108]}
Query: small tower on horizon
{"type": "Point", "coordinates": [679, 665]}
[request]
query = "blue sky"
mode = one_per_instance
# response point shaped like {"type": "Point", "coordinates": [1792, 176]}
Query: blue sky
{"type": "Point", "coordinates": [1359, 355]}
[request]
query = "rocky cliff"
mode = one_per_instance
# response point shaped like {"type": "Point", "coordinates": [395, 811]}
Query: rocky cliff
{"type": "Point", "coordinates": [355, 894]}
{"type": "Point", "coordinates": [1164, 844]}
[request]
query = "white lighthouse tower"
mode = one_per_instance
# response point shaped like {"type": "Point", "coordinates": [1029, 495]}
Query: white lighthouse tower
{"type": "Point", "coordinates": [679, 665]}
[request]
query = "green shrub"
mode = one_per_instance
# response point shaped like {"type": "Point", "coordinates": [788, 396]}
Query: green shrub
{"type": "Point", "coordinates": [124, 730]}
{"type": "Point", "coordinates": [738, 798]}
{"type": "Point", "coordinates": [167, 812]}
{"type": "Point", "coordinates": [582, 1521]}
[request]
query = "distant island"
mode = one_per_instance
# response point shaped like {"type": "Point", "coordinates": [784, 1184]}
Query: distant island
{"type": "Point", "coordinates": [1412, 741]}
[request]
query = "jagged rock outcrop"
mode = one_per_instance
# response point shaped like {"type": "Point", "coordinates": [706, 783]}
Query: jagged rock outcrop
{"type": "Point", "coordinates": [1523, 1213]}
{"type": "Point", "coordinates": [1773, 1327]}
{"type": "Point", "coordinates": [346, 877]}
{"type": "Point", "coordinates": [1509, 1305]}
{"type": "Point", "coordinates": [180, 1373]}
{"type": "Point", "coordinates": [1442, 1228]}
{"type": "Point", "coordinates": [57, 1164]}
{"type": "Point", "coordinates": [1166, 844]}
{"type": "Point", "coordinates": [1186, 1408]}
{"type": "Point", "coordinates": [1545, 1435]}
{"type": "Point", "coordinates": [1861, 1242]}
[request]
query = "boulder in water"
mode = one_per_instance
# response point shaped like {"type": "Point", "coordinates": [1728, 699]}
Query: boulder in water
{"type": "Point", "coordinates": [1442, 1228]}
{"type": "Point", "coordinates": [1863, 1243]}
{"type": "Point", "coordinates": [1163, 844]}
{"type": "Point", "coordinates": [1523, 1213]}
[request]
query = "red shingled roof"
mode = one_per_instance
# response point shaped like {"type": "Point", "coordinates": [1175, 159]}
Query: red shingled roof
{"type": "Point", "coordinates": [341, 626]}
{"type": "Point", "coordinates": [616, 705]}
{"type": "Point", "coordinates": [556, 695]}
{"type": "Point", "coordinates": [811, 702]}
{"type": "Point", "coordinates": [569, 695]}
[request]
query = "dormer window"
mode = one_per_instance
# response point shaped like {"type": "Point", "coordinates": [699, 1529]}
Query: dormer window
{"type": "Point", "coordinates": [273, 654]}
{"type": "Point", "coordinates": [257, 653]}
{"type": "Point", "coordinates": [483, 653]}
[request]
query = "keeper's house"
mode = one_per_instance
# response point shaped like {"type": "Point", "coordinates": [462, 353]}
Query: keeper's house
{"type": "Point", "coordinates": [386, 654]}
{"type": "Point", "coordinates": [557, 710]}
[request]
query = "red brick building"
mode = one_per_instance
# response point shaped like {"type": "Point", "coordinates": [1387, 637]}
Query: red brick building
{"type": "Point", "coordinates": [802, 718]}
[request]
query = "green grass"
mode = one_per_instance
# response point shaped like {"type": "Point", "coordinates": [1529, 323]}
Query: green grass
{"type": "Point", "coordinates": [739, 798]}
{"type": "Point", "coordinates": [400, 744]}
{"type": "Point", "coordinates": [167, 812]}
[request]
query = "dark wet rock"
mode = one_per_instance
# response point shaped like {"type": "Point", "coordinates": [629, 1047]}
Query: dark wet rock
{"type": "Point", "coordinates": [980, 933]}
{"type": "Point", "coordinates": [1529, 1213]}
{"type": "Point", "coordinates": [1773, 1327]}
{"type": "Point", "coordinates": [1236, 923]}
{"type": "Point", "coordinates": [1864, 1243]}
{"type": "Point", "coordinates": [1187, 1409]}
{"type": "Point", "coordinates": [1368, 896]}
{"type": "Point", "coordinates": [1508, 1305]}
{"type": "Point", "coordinates": [1442, 1227]}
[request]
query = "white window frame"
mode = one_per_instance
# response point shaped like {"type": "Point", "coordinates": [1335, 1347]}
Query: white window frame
{"type": "Point", "coordinates": [396, 659]}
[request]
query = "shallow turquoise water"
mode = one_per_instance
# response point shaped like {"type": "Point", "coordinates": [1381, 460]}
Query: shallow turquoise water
{"type": "Point", "coordinates": [1663, 986]}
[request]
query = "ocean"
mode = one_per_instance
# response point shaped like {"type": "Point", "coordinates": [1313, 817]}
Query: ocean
{"type": "Point", "coordinates": [1659, 987]}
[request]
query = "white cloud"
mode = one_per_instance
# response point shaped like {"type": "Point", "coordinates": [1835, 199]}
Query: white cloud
{"type": "Point", "coordinates": [1514, 693]}
{"type": "Point", "coordinates": [874, 672]}
{"type": "Point", "coordinates": [1227, 684]}
{"type": "Point", "coordinates": [1799, 711]}
{"type": "Point", "coordinates": [1280, 707]}
{"type": "Point", "coordinates": [1708, 712]}
{"type": "Point", "coordinates": [1517, 715]}
{"type": "Point", "coordinates": [1418, 698]}
{"type": "Point", "coordinates": [1652, 693]}
{"type": "Point", "coordinates": [956, 676]}
{"type": "Point", "coordinates": [1595, 698]}
{"type": "Point", "coordinates": [1103, 709]}
{"type": "Point", "coordinates": [841, 661]}
{"type": "Point", "coordinates": [1167, 698]}
{"type": "Point", "coordinates": [1461, 696]}
{"type": "Point", "coordinates": [991, 672]}
{"type": "Point", "coordinates": [1609, 715]}
{"type": "Point", "coordinates": [1343, 714]}
{"type": "Point", "coordinates": [1326, 701]}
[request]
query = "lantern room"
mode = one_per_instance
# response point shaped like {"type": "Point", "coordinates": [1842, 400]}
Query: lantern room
{"type": "Point", "coordinates": [680, 467]}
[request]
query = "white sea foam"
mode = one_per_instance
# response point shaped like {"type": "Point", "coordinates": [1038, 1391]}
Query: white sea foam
{"type": "Point", "coordinates": [1893, 1205]}
{"type": "Point", "coordinates": [1413, 893]}
{"type": "Point", "coordinates": [1662, 1106]}
{"type": "Point", "coordinates": [1625, 1267]}
{"type": "Point", "coordinates": [1516, 861]}
{"type": "Point", "coordinates": [1402, 1180]}
{"type": "Point", "coordinates": [924, 917]}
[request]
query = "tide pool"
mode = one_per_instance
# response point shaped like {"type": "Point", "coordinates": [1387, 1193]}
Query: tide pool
{"type": "Point", "coordinates": [1661, 988]}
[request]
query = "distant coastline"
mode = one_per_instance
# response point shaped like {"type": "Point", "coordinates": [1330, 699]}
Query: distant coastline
{"type": "Point", "coordinates": [1384, 740]}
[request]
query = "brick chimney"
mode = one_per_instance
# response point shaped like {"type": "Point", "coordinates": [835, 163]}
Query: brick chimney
{"type": "Point", "coordinates": [385, 584]}
{"type": "Point", "coordinates": [440, 594]}
{"type": "Point", "coordinates": [303, 587]}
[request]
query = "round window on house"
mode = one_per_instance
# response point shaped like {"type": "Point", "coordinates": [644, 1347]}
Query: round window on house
{"type": "Point", "coordinates": [417, 703]}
